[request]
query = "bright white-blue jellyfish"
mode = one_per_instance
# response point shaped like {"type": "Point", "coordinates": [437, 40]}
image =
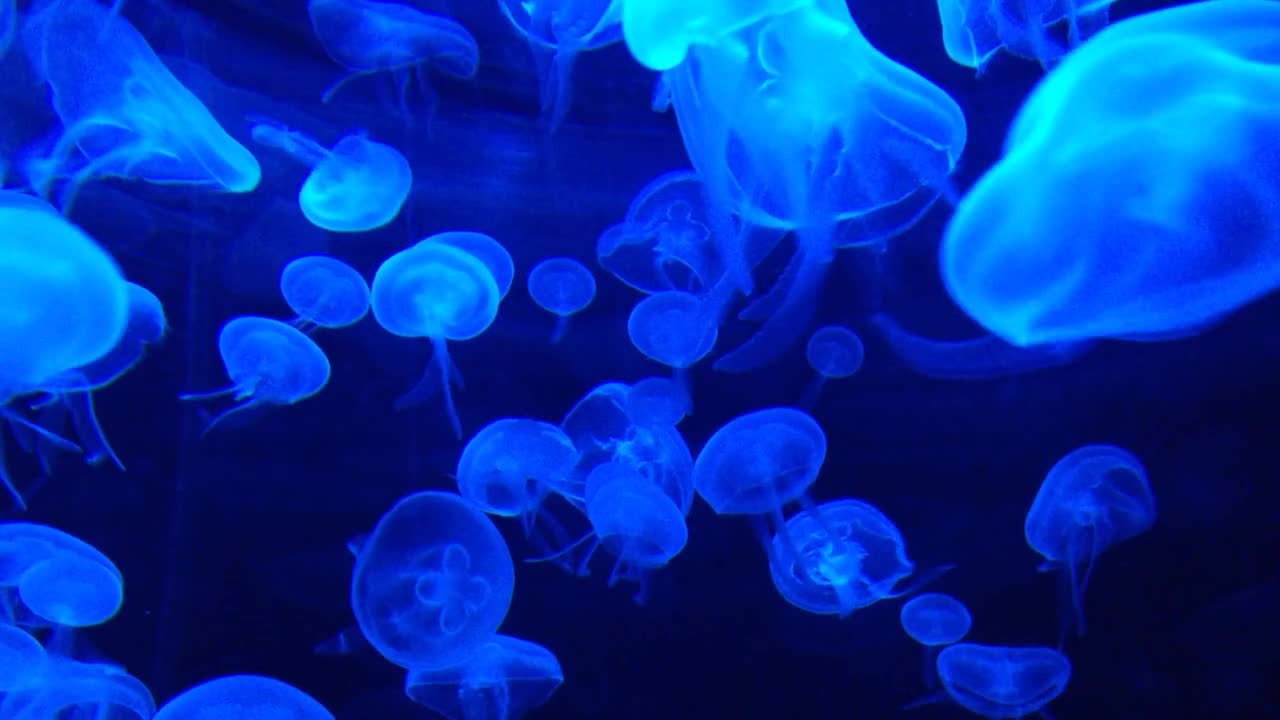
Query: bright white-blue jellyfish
{"type": "Point", "coordinates": [934, 620]}
{"type": "Point", "coordinates": [269, 363]}
{"type": "Point", "coordinates": [563, 287]}
{"type": "Point", "coordinates": [834, 352]}
{"type": "Point", "coordinates": [433, 582]}
{"type": "Point", "coordinates": [356, 186]}
{"type": "Point", "coordinates": [505, 678]}
{"type": "Point", "coordinates": [244, 697]}
{"type": "Point", "coordinates": [977, 359]}
{"type": "Point", "coordinates": [1002, 682]}
{"type": "Point", "coordinates": [1091, 499]}
{"type": "Point", "coordinates": [324, 292]}
{"type": "Point", "coordinates": [510, 466]}
{"type": "Point", "coordinates": [973, 31]}
{"type": "Point", "coordinates": [123, 112]}
{"type": "Point", "coordinates": [52, 579]}
{"type": "Point", "coordinates": [67, 688]}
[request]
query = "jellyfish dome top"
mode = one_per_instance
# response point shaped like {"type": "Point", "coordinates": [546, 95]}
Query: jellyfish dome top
{"type": "Point", "coordinates": [123, 112]}
{"type": "Point", "coordinates": [243, 697]}
{"type": "Point", "coordinates": [1002, 682]}
{"type": "Point", "coordinates": [48, 577]}
{"type": "Point", "coordinates": [511, 464]}
{"type": "Point", "coordinates": [1091, 499]}
{"type": "Point", "coordinates": [505, 678]}
{"type": "Point", "coordinates": [22, 657]}
{"type": "Point", "coordinates": [66, 688]}
{"type": "Point", "coordinates": [674, 328]}
{"type": "Point", "coordinates": [935, 619]}
{"type": "Point", "coordinates": [485, 249]}
{"type": "Point", "coordinates": [758, 462]}
{"type": "Point", "coordinates": [324, 291]}
{"type": "Point", "coordinates": [973, 31]}
{"type": "Point", "coordinates": [433, 582]}
{"type": "Point", "coordinates": [356, 186]}
{"type": "Point", "coordinates": [834, 351]}
{"type": "Point", "coordinates": [635, 521]}
{"type": "Point", "coordinates": [658, 402]}
{"type": "Point", "coordinates": [563, 287]}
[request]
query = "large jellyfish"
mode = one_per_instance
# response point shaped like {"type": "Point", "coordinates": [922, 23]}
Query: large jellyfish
{"type": "Point", "coordinates": [48, 577]}
{"type": "Point", "coordinates": [243, 696]}
{"type": "Point", "coordinates": [973, 31]}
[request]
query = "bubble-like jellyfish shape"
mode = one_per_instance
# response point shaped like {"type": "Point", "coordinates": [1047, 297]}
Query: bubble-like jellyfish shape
{"type": "Point", "coordinates": [757, 462]}
{"type": "Point", "coordinates": [357, 186]}
{"type": "Point", "coordinates": [563, 287]}
{"type": "Point", "coordinates": [674, 328]}
{"type": "Point", "coordinates": [977, 359]}
{"type": "Point", "coordinates": [504, 679]}
{"type": "Point", "coordinates": [21, 657]}
{"type": "Point", "coordinates": [973, 31]}
{"type": "Point", "coordinates": [432, 582]}
{"type": "Point", "coordinates": [935, 619]}
{"type": "Point", "coordinates": [510, 465]}
{"type": "Point", "coordinates": [324, 291]}
{"type": "Point", "coordinates": [1163, 161]}
{"type": "Point", "coordinates": [269, 363]}
{"type": "Point", "coordinates": [658, 401]}
{"type": "Point", "coordinates": [436, 291]}
{"type": "Point", "coordinates": [660, 33]}
{"type": "Point", "coordinates": [243, 697]}
{"type": "Point", "coordinates": [485, 249]}
{"type": "Point", "coordinates": [833, 351]}
{"type": "Point", "coordinates": [52, 578]}
{"type": "Point", "coordinates": [557, 30]}
{"type": "Point", "coordinates": [1002, 682]}
{"type": "Point", "coordinates": [66, 688]}
{"type": "Point", "coordinates": [368, 37]}
{"type": "Point", "coordinates": [123, 112]}
{"type": "Point", "coordinates": [1091, 499]}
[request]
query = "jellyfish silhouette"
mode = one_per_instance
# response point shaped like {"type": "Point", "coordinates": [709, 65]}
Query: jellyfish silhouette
{"type": "Point", "coordinates": [51, 578]}
{"type": "Point", "coordinates": [934, 620]}
{"type": "Point", "coordinates": [1002, 682]}
{"type": "Point", "coordinates": [563, 287]}
{"type": "Point", "coordinates": [973, 31]}
{"type": "Point", "coordinates": [658, 402]}
{"type": "Point", "coordinates": [673, 328]}
{"type": "Point", "coordinates": [324, 292]}
{"type": "Point", "coordinates": [977, 359]}
{"type": "Point", "coordinates": [834, 352]}
{"type": "Point", "coordinates": [243, 696]}
{"type": "Point", "coordinates": [63, 687]}
{"type": "Point", "coordinates": [269, 363]}
{"type": "Point", "coordinates": [21, 657]}
{"type": "Point", "coordinates": [511, 464]}
{"type": "Point", "coordinates": [758, 462]}
{"type": "Point", "coordinates": [433, 582]}
{"type": "Point", "coordinates": [504, 679]}
{"type": "Point", "coordinates": [1091, 499]}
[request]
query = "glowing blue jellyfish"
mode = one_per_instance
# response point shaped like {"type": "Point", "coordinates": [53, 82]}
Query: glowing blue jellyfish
{"type": "Point", "coordinates": [1091, 499]}
{"type": "Point", "coordinates": [433, 582]}
{"type": "Point", "coordinates": [935, 619]}
{"type": "Point", "coordinates": [504, 679]}
{"type": "Point", "coordinates": [657, 402]}
{"type": "Point", "coordinates": [324, 291]}
{"type": "Point", "coordinates": [834, 351]}
{"type": "Point", "coordinates": [123, 113]}
{"type": "Point", "coordinates": [244, 697]}
{"type": "Point", "coordinates": [66, 688]}
{"type": "Point", "coordinates": [269, 363]}
{"type": "Point", "coordinates": [434, 290]}
{"type": "Point", "coordinates": [563, 287]}
{"type": "Point", "coordinates": [976, 359]}
{"type": "Point", "coordinates": [21, 657]}
{"type": "Point", "coordinates": [52, 578]}
{"type": "Point", "coordinates": [357, 186]}
{"type": "Point", "coordinates": [485, 249]}
{"type": "Point", "coordinates": [758, 462]}
{"type": "Point", "coordinates": [368, 37]}
{"type": "Point", "coordinates": [510, 465]}
{"type": "Point", "coordinates": [674, 328]}
{"type": "Point", "coordinates": [1002, 682]}
{"type": "Point", "coordinates": [973, 31]}
{"type": "Point", "coordinates": [1161, 162]}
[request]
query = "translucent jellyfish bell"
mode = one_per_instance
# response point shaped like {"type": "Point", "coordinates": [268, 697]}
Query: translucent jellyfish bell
{"type": "Point", "coordinates": [658, 401]}
{"type": "Point", "coordinates": [357, 186]}
{"type": "Point", "coordinates": [1002, 682]}
{"type": "Point", "coordinates": [760, 461]}
{"type": "Point", "coordinates": [21, 657]}
{"type": "Point", "coordinates": [833, 351]}
{"type": "Point", "coordinates": [935, 619]}
{"type": "Point", "coordinates": [324, 291]}
{"type": "Point", "coordinates": [563, 287]}
{"type": "Point", "coordinates": [510, 465]}
{"type": "Point", "coordinates": [53, 578]}
{"type": "Point", "coordinates": [504, 679]}
{"type": "Point", "coordinates": [485, 249]}
{"type": "Point", "coordinates": [674, 328]}
{"type": "Point", "coordinates": [241, 697]}
{"type": "Point", "coordinates": [433, 581]}
{"type": "Point", "coordinates": [269, 363]}
{"type": "Point", "coordinates": [66, 688]}
{"type": "Point", "coordinates": [1091, 499]}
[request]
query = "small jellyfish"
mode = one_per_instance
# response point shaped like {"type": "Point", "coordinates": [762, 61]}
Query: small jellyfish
{"type": "Point", "coordinates": [1002, 682]}
{"type": "Point", "coordinates": [433, 581]}
{"type": "Point", "coordinates": [269, 363]}
{"type": "Point", "coordinates": [485, 249]}
{"type": "Point", "coordinates": [833, 351]}
{"type": "Point", "coordinates": [242, 697]}
{"type": "Point", "coordinates": [52, 578]}
{"type": "Point", "coordinates": [510, 465]}
{"type": "Point", "coordinates": [934, 620]}
{"type": "Point", "coordinates": [1091, 499]}
{"type": "Point", "coordinates": [563, 287]}
{"type": "Point", "coordinates": [324, 291]}
{"type": "Point", "coordinates": [21, 657]}
{"type": "Point", "coordinates": [66, 688]}
{"type": "Point", "coordinates": [357, 186]}
{"type": "Point", "coordinates": [503, 680]}
{"type": "Point", "coordinates": [758, 462]}
{"type": "Point", "coordinates": [658, 401]}
{"type": "Point", "coordinates": [674, 328]}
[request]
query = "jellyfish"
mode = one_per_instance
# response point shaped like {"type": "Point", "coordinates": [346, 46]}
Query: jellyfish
{"type": "Point", "coordinates": [50, 578]}
{"type": "Point", "coordinates": [934, 620]}
{"type": "Point", "coordinates": [65, 688]}
{"type": "Point", "coordinates": [557, 31]}
{"type": "Point", "coordinates": [324, 292]}
{"type": "Point", "coordinates": [436, 291]}
{"type": "Point", "coordinates": [977, 359]}
{"type": "Point", "coordinates": [673, 328]}
{"type": "Point", "coordinates": [1091, 499]}
{"type": "Point", "coordinates": [1002, 682]}
{"type": "Point", "coordinates": [504, 679]}
{"type": "Point", "coordinates": [658, 402]}
{"type": "Point", "coordinates": [511, 464]}
{"type": "Point", "coordinates": [433, 582]}
{"type": "Point", "coordinates": [973, 31]}
{"type": "Point", "coordinates": [21, 657]}
{"type": "Point", "coordinates": [485, 249]}
{"type": "Point", "coordinates": [660, 33]}
{"type": "Point", "coordinates": [269, 363]}
{"type": "Point", "coordinates": [123, 112]}
{"type": "Point", "coordinates": [357, 186]}
{"type": "Point", "coordinates": [1163, 160]}
{"type": "Point", "coordinates": [243, 696]}
{"type": "Point", "coordinates": [563, 287]}
{"type": "Point", "coordinates": [834, 351]}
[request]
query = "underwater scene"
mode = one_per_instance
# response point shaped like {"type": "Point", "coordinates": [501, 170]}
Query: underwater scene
{"type": "Point", "coordinates": [635, 359]}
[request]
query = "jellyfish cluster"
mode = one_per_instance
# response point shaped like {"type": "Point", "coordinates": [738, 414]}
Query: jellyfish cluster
{"type": "Point", "coordinates": [685, 375]}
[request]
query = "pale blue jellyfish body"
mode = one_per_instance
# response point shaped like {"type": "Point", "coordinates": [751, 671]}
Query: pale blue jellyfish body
{"type": "Point", "coordinates": [834, 352]}
{"type": "Point", "coordinates": [51, 578]}
{"type": "Point", "coordinates": [485, 249]}
{"type": "Point", "coordinates": [123, 113]}
{"type": "Point", "coordinates": [66, 688]}
{"type": "Point", "coordinates": [510, 465]}
{"type": "Point", "coordinates": [324, 291]}
{"type": "Point", "coordinates": [977, 359]}
{"type": "Point", "coordinates": [433, 582]}
{"type": "Point", "coordinates": [1091, 499]}
{"type": "Point", "coordinates": [243, 697]}
{"type": "Point", "coordinates": [356, 186]}
{"type": "Point", "coordinates": [21, 657]}
{"type": "Point", "coordinates": [935, 619]}
{"type": "Point", "coordinates": [503, 680]}
{"type": "Point", "coordinates": [269, 363]}
{"type": "Point", "coordinates": [658, 402]}
{"type": "Point", "coordinates": [1002, 682]}
{"type": "Point", "coordinates": [760, 461]}
{"type": "Point", "coordinates": [1108, 214]}
{"type": "Point", "coordinates": [674, 328]}
{"type": "Point", "coordinates": [563, 287]}
{"type": "Point", "coordinates": [434, 290]}
{"type": "Point", "coordinates": [973, 31]}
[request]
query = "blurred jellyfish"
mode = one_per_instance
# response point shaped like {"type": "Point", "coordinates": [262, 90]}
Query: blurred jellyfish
{"type": "Point", "coordinates": [50, 578]}
{"type": "Point", "coordinates": [1002, 682]}
{"type": "Point", "coordinates": [978, 359]}
{"type": "Point", "coordinates": [1091, 499]}
{"type": "Point", "coordinates": [433, 582]}
{"type": "Point", "coordinates": [934, 620]}
{"type": "Point", "coordinates": [243, 697]}
{"type": "Point", "coordinates": [324, 292]}
{"type": "Point", "coordinates": [673, 328]}
{"type": "Point", "coordinates": [21, 657]}
{"type": "Point", "coordinates": [66, 688]}
{"type": "Point", "coordinates": [504, 679]}
{"type": "Point", "coordinates": [973, 31]}
{"type": "Point", "coordinates": [563, 287]}
{"type": "Point", "coordinates": [833, 351]}
{"type": "Point", "coordinates": [511, 464]}
{"type": "Point", "coordinates": [269, 363]}
{"type": "Point", "coordinates": [658, 402]}
{"type": "Point", "coordinates": [357, 186]}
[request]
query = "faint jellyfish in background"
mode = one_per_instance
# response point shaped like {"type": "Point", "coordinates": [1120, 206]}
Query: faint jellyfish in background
{"type": "Point", "coordinates": [511, 465]}
{"type": "Point", "coordinates": [673, 328]}
{"type": "Point", "coordinates": [1001, 682]}
{"type": "Point", "coordinates": [324, 292]}
{"type": "Point", "coordinates": [977, 359]}
{"type": "Point", "coordinates": [357, 186]}
{"type": "Point", "coordinates": [833, 351]}
{"type": "Point", "coordinates": [243, 696]}
{"type": "Point", "coordinates": [557, 30]}
{"type": "Point", "coordinates": [436, 291]}
{"type": "Point", "coordinates": [505, 678]}
{"type": "Point", "coordinates": [1091, 499]}
{"type": "Point", "coordinates": [21, 657]}
{"type": "Point", "coordinates": [658, 401]}
{"type": "Point", "coordinates": [934, 620]}
{"type": "Point", "coordinates": [123, 112]}
{"type": "Point", "coordinates": [563, 287]}
{"type": "Point", "coordinates": [269, 363]}
{"type": "Point", "coordinates": [433, 582]}
{"type": "Point", "coordinates": [485, 249]}
{"type": "Point", "coordinates": [49, 578]}
{"type": "Point", "coordinates": [66, 688]}
{"type": "Point", "coordinates": [973, 31]}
